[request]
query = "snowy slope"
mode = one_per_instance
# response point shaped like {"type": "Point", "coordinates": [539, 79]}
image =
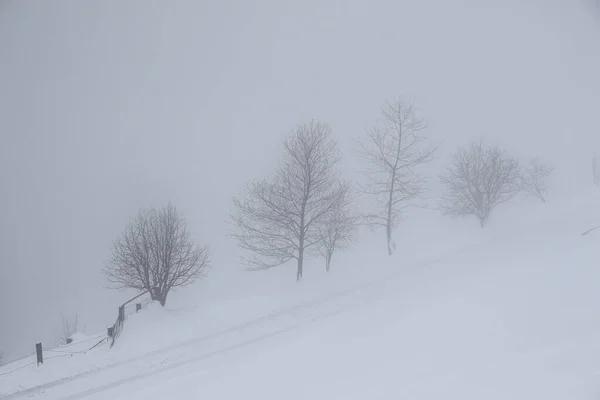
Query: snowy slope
{"type": "Point", "coordinates": [509, 313]}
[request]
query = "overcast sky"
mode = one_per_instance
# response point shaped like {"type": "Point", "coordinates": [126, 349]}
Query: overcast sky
{"type": "Point", "coordinates": [106, 107]}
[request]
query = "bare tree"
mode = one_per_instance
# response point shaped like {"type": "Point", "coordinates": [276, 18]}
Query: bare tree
{"type": "Point", "coordinates": [278, 218]}
{"type": "Point", "coordinates": [534, 180]}
{"type": "Point", "coordinates": [68, 329]}
{"type": "Point", "coordinates": [479, 179]}
{"type": "Point", "coordinates": [1, 358]}
{"type": "Point", "coordinates": [338, 228]}
{"type": "Point", "coordinates": [596, 171]}
{"type": "Point", "coordinates": [156, 254]}
{"type": "Point", "coordinates": [394, 152]}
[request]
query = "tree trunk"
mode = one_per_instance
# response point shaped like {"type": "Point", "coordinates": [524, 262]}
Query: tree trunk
{"type": "Point", "coordinates": [388, 227]}
{"type": "Point", "coordinates": [301, 238]}
{"type": "Point", "coordinates": [163, 297]}
{"type": "Point", "coordinates": [391, 194]}
{"type": "Point", "coordinates": [155, 293]}
{"type": "Point", "coordinates": [328, 262]}
{"type": "Point", "coordinates": [483, 221]}
{"type": "Point", "coordinates": [300, 263]}
{"type": "Point", "coordinates": [389, 235]}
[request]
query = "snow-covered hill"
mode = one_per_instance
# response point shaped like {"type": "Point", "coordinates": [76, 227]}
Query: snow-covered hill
{"type": "Point", "coordinates": [510, 312]}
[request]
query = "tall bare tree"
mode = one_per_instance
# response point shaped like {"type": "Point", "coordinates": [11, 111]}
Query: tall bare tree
{"type": "Point", "coordinates": [596, 171]}
{"type": "Point", "coordinates": [338, 228]}
{"type": "Point", "coordinates": [535, 179]}
{"type": "Point", "coordinates": [155, 253]}
{"type": "Point", "coordinates": [480, 178]}
{"type": "Point", "coordinates": [394, 151]}
{"type": "Point", "coordinates": [277, 219]}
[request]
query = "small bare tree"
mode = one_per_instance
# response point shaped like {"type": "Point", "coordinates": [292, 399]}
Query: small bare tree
{"type": "Point", "coordinates": [156, 254]}
{"type": "Point", "coordinates": [596, 171]}
{"type": "Point", "coordinates": [394, 152]}
{"type": "Point", "coordinates": [278, 219]}
{"type": "Point", "coordinates": [479, 179]}
{"type": "Point", "coordinates": [534, 180]}
{"type": "Point", "coordinates": [338, 228]}
{"type": "Point", "coordinates": [68, 329]}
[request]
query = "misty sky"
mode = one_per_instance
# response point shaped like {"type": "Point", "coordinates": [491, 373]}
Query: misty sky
{"type": "Point", "coordinates": [106, 107]}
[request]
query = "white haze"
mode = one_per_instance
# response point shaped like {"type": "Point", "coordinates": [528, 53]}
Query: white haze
{"type": "Point", "coordinates": [106, 107]}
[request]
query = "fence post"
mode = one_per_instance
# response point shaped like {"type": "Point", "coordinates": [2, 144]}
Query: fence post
{"type": "Point", "coordinates": [121, 314]}
{"type": "Point", "coordinates": [38, 352]}
{"type": "Point", "coordinates": [138, 307]}
{"type": "Point", "coordinates": [111, 331]}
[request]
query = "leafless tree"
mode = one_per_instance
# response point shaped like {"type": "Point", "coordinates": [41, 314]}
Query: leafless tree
{"type": "Point", "coordinates": [394, 151]}
{"type": "Point", "coordinates": [479, 179]}
{"type": "Point", "coordinates": [68, 329]}
{"type": "Point", "coordinates": [156, 254]}
{"type": "Point", "coordinates": [534, 180]}
{"type": "Point", "coordinates": [1, 358]}
{"type": "Point", "coordinates": [338, 228]}
{"type": "Point", "coordinates": [278, 218]}
{"type": "Point", "coordinates": [596, 171]}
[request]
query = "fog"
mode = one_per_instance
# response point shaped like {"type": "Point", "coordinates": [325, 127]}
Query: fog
{"type": "Point", "coordinates": [107, 107]}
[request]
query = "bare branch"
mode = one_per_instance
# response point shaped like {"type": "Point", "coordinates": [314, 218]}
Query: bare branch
{"type": "Point", "coordinates": [393, 151]}
{"type": "Point", "coordinates": [479, 179]}
{"type": "Point", "coordinates": [534, 180]}
{"type": "Point", "coordinates": [155, 253]}
{"type": "Point", "coordinates": [338, 228]}
{"type": "Point", "coordinates": [277, 219]}
{"type": "Point", "coordinates": [69, 327]}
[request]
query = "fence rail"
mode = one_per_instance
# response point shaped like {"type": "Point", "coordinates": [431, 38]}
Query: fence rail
{"type": "Point", "coordinates": [115, 330]}
{"type": "Point", "coordinates": [98, 339]}
{"type": "Point", "coordinates": [110, 336]}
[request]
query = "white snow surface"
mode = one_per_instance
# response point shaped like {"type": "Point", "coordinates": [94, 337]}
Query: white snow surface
{"type": "Point", "coordinates": [508, 312]}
